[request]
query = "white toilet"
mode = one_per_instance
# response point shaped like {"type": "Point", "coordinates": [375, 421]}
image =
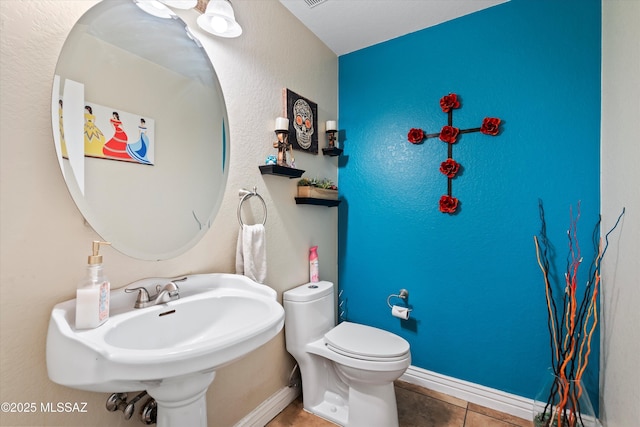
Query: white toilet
{"type": "Point", "coordinates": [347, 370]}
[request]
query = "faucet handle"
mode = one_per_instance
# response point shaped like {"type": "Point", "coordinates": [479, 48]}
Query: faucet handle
{"type": "Point", "coordinates": [143, 296]}
{"type": "Point", "coordinates": [172, 288]}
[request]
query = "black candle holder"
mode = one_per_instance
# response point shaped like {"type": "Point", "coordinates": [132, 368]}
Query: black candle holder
{"type": "Point", "coordinates": [282, 144]}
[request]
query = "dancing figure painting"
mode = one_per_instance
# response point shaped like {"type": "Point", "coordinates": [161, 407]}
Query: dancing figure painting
{"type": "Point", "coordinates": [114, 134]}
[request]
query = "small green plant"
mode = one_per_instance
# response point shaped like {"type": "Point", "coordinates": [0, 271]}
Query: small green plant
{"type": "Point", "coordinates": [325, 183]}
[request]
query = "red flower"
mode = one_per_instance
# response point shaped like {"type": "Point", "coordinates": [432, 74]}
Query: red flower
{"type": "Point", "coordinates": [448, 204]}
{"type": "Point", "coordinates": [449, 134]}
{"type": "Point", "coordinates": [450, 168]}
{"type": "Point", "coordinates": [449, 102]}
{"type": "Point", "coordinates": [490, 126]}
{"type": "Point", "coordinates": [415, 136]}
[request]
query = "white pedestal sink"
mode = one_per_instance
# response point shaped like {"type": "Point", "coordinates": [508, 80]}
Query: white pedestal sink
{"type": "Point", "coordinates": [171, 350]}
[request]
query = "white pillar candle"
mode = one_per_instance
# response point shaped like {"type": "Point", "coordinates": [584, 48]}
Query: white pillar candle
{"type": "Point", "coordinates": [282, 123]}
{"type": "Point", "coordinates": [331, 125]}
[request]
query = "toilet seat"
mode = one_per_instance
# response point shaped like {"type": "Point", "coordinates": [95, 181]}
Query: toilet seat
{"type": "Point", "coordinates": [366, 343]}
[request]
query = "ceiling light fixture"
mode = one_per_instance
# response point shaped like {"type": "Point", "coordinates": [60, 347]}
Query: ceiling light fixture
{"type": "Point", "coordinates": [155, 8]}
{"type": "Point", "coordinates": [181, 4]}
{"type": "Point", "coordinates": [220, 20]}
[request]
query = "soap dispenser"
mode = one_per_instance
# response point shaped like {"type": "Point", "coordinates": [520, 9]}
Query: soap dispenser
{"type": "Point", "coordinates": [92, 295]}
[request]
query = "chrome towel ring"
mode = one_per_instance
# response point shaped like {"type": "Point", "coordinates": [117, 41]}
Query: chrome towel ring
{"type": "Point", "coordinates": [245, 195]}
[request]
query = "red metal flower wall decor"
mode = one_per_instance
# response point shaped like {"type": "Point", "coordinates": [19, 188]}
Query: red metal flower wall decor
{"type": "Point", "coordinates": [449, 134]}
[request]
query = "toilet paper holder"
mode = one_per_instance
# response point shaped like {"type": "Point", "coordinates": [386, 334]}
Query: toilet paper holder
{"type": "Point", "coordinates": [403, 295]}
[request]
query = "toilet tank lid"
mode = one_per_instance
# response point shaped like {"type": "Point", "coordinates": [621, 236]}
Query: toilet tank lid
{"type": "Point", "coordinates": [308, 291]}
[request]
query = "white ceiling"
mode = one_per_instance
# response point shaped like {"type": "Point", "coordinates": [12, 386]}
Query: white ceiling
{"type": "Point", "coordinates": [349, 25]}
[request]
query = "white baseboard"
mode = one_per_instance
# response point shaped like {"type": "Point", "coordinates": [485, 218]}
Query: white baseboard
{"type": "Point", "coordinates": [488, 397]}
{"type": "Point", "coordinates": [271, 407]}
{"type": "Point", "coordinates": [485, 396]}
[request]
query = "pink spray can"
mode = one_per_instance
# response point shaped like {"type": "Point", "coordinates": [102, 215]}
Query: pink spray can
{"type": "Point", "coordinates": [313, 264]}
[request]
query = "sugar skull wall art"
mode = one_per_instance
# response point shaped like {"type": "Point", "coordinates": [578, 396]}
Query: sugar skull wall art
{"type": "Point", "coordinates": [303, 122]}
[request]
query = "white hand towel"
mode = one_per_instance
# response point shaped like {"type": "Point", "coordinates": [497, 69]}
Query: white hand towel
{"type": "Point", "coordinates": [251, 252]}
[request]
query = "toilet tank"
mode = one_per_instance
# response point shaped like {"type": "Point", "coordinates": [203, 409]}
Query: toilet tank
{"type": "Point", "coordinates": [309, 312]}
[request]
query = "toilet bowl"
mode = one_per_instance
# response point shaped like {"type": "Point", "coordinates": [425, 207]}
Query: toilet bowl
{"type": "Point", "coordinates": [347, 370]}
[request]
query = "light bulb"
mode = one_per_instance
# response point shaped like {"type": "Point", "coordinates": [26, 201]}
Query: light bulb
{"type": "Point", "coordinates": [219, 24]}
{"type": "Point", "coordinates": [219, 19]}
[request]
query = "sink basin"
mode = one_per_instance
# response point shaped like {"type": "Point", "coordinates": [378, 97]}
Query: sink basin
{"type": "Point", "coordinates": [189, 325]}
{"type": "Point", "coordinates": [178, 345]}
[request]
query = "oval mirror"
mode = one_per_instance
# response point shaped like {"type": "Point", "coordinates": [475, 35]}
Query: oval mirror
{"type": "Point", "coordinates": [140, 128]}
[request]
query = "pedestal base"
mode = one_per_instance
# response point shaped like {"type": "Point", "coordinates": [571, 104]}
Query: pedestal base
{"type": "Point", "coordinates": [182, 400]}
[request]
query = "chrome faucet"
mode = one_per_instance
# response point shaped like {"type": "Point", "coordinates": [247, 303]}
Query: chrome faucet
{"type": "Point", "coordinates": [166, 293]}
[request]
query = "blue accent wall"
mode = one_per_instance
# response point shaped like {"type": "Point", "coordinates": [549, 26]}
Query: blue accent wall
{"type": "Point", "coordinates": [479, 311]}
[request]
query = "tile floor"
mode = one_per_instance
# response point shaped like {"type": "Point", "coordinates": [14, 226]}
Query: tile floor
{"type": "Point", "coordinates": [417, 407]}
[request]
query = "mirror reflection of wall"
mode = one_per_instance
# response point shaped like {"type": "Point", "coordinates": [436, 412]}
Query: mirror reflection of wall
{"type": "Point", "coordinates": [143, 66]}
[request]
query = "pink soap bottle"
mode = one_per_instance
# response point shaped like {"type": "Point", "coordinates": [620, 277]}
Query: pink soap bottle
{"type": "Point", "coordinates": [313, 264]}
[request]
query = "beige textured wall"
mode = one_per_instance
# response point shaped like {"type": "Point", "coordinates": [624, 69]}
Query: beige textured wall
{"type": "Point", "coordinates": [44, 240]}
{"type": "Point", "coordinates": [619, 373]}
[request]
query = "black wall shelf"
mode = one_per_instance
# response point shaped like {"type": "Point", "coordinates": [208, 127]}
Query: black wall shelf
{"type": "Point", "coordinates": [332, 151]}
{"type": "Point", "coordinates": [317, 202]}
{"type": "Point", "coordinates": [281, 171]}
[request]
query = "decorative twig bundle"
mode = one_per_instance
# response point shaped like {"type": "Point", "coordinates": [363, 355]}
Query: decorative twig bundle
{"type": "Point", "coordinates": [571, 324]}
